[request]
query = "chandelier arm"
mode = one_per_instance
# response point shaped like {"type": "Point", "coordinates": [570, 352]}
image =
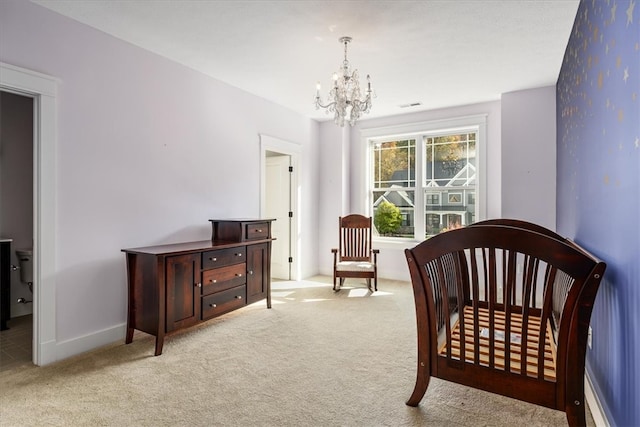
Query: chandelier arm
{"type": "Point", "coordinates": [319, 104]}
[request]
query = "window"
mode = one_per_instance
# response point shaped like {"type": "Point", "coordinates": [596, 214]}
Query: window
{"type": "Point", "coordinates": [430, 176]}
{"type": "Point", "coordinates": [455, 198]}
{"type": "Point", "coordinates": [432, 198]}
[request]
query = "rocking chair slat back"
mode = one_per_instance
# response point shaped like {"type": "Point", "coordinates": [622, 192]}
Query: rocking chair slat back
{"type": "Point", "coordinates": [355, 238]}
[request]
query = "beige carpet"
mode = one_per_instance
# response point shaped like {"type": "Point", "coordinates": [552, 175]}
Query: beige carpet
{"type": "Point", "coordinates": [318, 358]}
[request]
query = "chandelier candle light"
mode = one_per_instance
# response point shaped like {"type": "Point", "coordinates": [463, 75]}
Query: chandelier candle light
{"type": "Point", "coordinates": [345, 96]}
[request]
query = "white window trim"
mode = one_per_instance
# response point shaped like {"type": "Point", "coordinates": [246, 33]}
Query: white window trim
{"type": "Point", "coordinates": [413, 130]}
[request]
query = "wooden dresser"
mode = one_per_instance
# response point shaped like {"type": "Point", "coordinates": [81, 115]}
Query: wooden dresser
{"type": "Point", "coordinates": [178, 285]}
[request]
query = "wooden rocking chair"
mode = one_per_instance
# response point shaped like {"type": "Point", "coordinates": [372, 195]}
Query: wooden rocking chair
{"type": "Point", "coordinates": [354, 256]}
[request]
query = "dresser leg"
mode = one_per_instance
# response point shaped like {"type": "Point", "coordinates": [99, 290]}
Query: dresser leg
{"type": "Point", "coordinates": [129, 337]}
{"type": "Point", "coordinates": [159, 343]}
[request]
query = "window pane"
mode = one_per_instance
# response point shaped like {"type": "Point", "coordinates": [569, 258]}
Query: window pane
{"type": "Point", "coordinates": [394, 164]}
{"type": "Point", "coordinates": [456, 208]}
{"type": "Point", "coordinates": [394, 213]}
{"type": "Point", "coordinates": [450, 179]}
{"type": "Point", "coordinates": [450, 160]}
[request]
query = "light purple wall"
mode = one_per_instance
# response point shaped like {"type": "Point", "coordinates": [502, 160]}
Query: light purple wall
{"type": "Point", "coordinates": [334, 188]}
{"type": "Point", "coordinates": [148, 151]}
{"type": "Point", "coordinates": [529, 155]}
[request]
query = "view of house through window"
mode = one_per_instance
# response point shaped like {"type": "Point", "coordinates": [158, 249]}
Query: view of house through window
{"type": "Point", "coordinates": [424, 184]}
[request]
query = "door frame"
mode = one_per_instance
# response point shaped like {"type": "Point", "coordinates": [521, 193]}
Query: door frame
{"type": "Point", "coordinates": [276, 145]}
{"type": "Point", "coordinates": [284, 241]}
{"type": "Point", "coordinates": [43, 89]}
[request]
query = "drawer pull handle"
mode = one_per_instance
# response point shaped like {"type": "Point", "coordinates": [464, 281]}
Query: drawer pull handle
{"type": "Point", "coordinates": [212, 305]}
{"type": "Point", "coordinates": [198, 285]}
{"type": "Point", "coordinates": [238, 296]}
{"type": "Point", "coordinates": [239, 254]}
{"type": "Point", "coordinates": [213, 259]}
{"type": "Point", "coordinates": [251, 272]}
{"type": "Point", "coordinates": [213, 280]}
{"type": "Point", "coordinates": [239, 275]}
{"type": "Point", "coordinates": [259, 230]}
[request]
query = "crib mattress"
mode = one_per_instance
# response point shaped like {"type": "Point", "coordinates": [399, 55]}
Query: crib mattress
{"type": "Point", "coordinates": [499, 353]}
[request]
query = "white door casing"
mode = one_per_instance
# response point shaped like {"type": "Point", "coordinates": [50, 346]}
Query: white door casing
{"type": "Point", "coordinates": [293, 151]}
{"type": "Point", "coordinates": [43, 89]}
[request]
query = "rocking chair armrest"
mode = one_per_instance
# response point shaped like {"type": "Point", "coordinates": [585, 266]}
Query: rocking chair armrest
{"type": "Point", "coordinates": [334, 251]}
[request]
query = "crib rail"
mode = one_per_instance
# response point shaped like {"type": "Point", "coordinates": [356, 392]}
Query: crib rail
{"type": "Point", "coordinates": [505, 299]}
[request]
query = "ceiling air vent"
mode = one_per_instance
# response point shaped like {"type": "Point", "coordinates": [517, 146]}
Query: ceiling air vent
{"type": "Point", "coordinates": [412, 104]}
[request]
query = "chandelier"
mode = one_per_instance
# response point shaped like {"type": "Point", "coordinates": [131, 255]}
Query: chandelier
{"type": "Point", "coordinates": [345, 98]}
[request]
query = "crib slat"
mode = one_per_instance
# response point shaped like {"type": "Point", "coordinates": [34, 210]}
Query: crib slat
{"type": "Point", "coordinates": [475, 298]}
{"type": "Point", "coordinates": [526, 276]}
{"type": "Point", "coordinates": [444, 292]}
{"type": "Point", "coordinates": [485, 276]}
{"type": "Point", "coordinates": [550, 275]}
{"type": "Point", "coordinates": [541, 367]}
{"type": "Point", "coordinates": [492, 304]}
{"type": "Point", "coordinates": [509, 265]}
{"type": "Point", "coordinates": [460, 295]}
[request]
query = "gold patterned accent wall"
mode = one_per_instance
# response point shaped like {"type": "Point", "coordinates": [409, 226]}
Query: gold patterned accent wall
{"type": "Point", "coordinates": [598, 189]}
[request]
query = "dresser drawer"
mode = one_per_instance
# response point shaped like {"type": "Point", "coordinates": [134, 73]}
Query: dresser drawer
{"type": "Point", "coordinates": [219, 279]}
{"type": "Point", "coordinates": [257, 230]}
{"type": "Point", "coordinates": [222, 302]}
{"type": "Point", "coordinates": [222, 257]}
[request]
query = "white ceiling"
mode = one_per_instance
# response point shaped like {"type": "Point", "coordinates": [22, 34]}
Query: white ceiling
{"type": "Point", "coordinates": [437, 52]}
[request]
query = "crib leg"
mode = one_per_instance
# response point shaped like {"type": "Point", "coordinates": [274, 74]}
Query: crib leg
{"type": "Point", "coordinates": [576, 414]}
{"type": "Point", "coordinates": [422, 382]}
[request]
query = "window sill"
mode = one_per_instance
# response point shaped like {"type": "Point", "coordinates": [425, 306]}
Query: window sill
{"type": "Point", "coordinates": [393, 243]}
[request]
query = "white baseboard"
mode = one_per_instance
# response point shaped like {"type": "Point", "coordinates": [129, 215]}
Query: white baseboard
{"type": "Point", "coordinates": [75, 346]}
{"type": "Point", "coordinates": [47, 353]}
{"type": "Point", "coordinates": [594, 403]}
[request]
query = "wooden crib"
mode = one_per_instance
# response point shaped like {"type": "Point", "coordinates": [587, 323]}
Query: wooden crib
{"type": "Point", "coordinates": [504, 306]}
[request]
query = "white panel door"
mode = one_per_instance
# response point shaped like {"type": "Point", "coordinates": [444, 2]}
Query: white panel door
{"type": "Point", "coordinates": [277, 205]}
